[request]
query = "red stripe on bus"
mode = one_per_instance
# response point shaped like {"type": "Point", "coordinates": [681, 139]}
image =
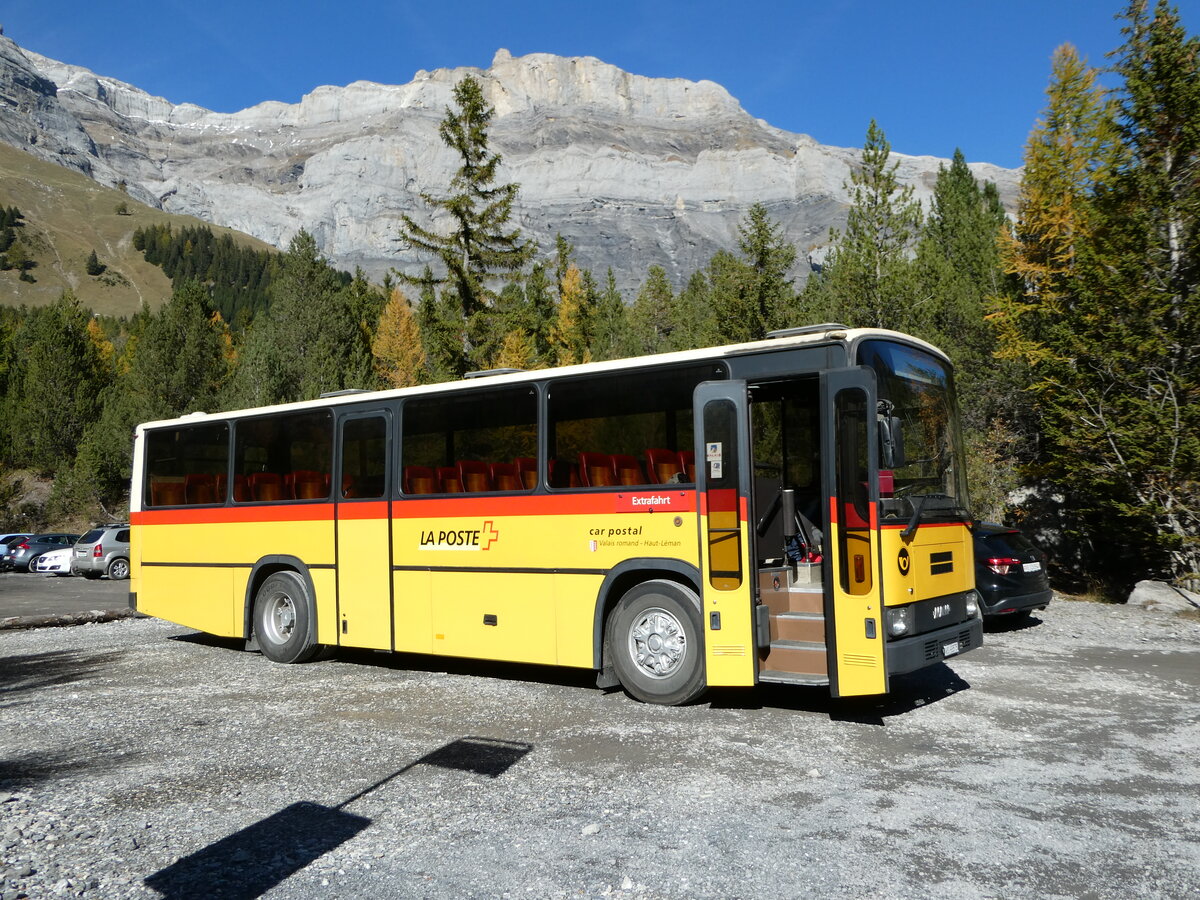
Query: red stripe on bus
{"type": "Point", "coordinates": [463, 505]}
{"type": "Point", "coordinates": [374, 509]}
{"type": "Point", "coordinates": [301, 512]}
{"type": "Point", "coordinates": [743, 507]}
{"type": "Point", "coordinates": [536, 505]}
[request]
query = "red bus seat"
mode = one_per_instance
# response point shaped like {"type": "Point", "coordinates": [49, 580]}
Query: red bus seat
{"type": "Point", "coordinates": [199, 488]}
{"type": "Point", "coordinates": [451, 482]}
{"type": "Point", "coordinates": [265, 486]}
{"type": "Point", "coordinates": [474, 476]}
{"type": "Point", "coordinates": [687, 462]}
{"type": "Point", "coordinates": [563, 474]}
{"type": "Point", "coordinates": [419, 480]}
{"type": "Point", "coordinates": [627, 470]}
{"type": "Point", "coordinates": [308, 485]}
{"type": "Point", "coordinates": [527, 471]}
{"type": "Point", "coordinates": [167, 493]}
{"type": "Point", "coordinates": [596, 469]}
{"type": "Point", "coordinates": [505, 477]}
{"type": "Point", "coordinates": [662, 465]}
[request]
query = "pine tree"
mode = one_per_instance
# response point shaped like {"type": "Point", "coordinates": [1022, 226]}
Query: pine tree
{"type": "Point", "coordinates": [1107, 319]}
{"type": "Point", "coordinates": [695, 318]}
{"type": "Point", "coordinates": [1135, 382]}
{"type": "Point", "coordinates": [442, 335]}
{"type": "Point", "coordinates": [732, 315]}
{"type": "Point", "coordinates": [652, 316]}
{"type": "Point", "coordinates": [959, 272]}
{"type": "Point", "coordinates": [179, 366]}
{"type": "Point", "coordinates": [399, 359]}
{"type": "Point", "coordinates": [93, 266]}
{"type": "Point", "coordinates": [480, 248]}
{"type": "Point", "coordinates": [516, 352]}
{"type": "Point", "coordinates": [310, 341]}
{"type": "Point", "coordinates": [770, 257]}
{"type": "Point", "coordinates": [610, 337]}
{"type": "Point", "coordinates": [541, 313]}
{"type": "Point", "coordinates": [55, 392]}
{"type": "Point", "coordinates": [572, 332]}
{"type": "Point", "coordinates": [868, 279]}
{"type": "Point", "coordinates": [1065, 155]}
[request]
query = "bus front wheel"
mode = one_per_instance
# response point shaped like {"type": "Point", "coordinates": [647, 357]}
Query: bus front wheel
{"type": "Point", "coordinates": [656, 643]}
{"type": "Point", "coordinates": [283, 611]}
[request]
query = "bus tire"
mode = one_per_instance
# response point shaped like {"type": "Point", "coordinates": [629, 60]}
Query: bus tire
{"type": "Point", "coordinates": [283, 611]}
{"type": "Point", "coordinates": [656, 643]}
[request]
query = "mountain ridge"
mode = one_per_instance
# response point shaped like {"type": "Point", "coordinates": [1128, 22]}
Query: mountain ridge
{"type": "Point", "coordinates": [632, 170]}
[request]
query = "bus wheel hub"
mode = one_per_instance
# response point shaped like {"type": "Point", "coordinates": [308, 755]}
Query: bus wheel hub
{"type": "Point", "coordinates": [657, 643]}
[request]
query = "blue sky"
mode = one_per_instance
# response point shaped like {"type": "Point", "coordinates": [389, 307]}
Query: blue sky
{"type": "Point", "coordinates": [935, 74]}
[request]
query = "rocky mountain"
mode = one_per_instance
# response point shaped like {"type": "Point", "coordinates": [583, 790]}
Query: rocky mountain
{"type": "Point", "coordinates": [632, 170]}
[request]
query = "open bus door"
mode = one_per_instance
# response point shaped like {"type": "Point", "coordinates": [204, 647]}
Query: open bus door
{"type": "Point", "coordinates": [723, 483]}
{"type": "Point", "coordinates": [853, 592]}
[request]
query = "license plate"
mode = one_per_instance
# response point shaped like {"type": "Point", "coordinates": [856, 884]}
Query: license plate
{"type": "Point", "coordinates": [1031, 567]}
{"type": "Point", "coordinates": [950, 649]}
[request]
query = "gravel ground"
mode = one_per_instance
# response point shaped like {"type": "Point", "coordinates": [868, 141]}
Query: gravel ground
{"type": "Point", "coordinates": [139, 759]}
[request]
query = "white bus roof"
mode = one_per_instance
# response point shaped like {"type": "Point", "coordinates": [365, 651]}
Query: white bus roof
{"type": "Point", "coordinates": [817, 334]}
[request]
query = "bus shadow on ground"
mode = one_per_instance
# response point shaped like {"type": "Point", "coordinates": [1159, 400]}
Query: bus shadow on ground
{"type": "Point", "coordinates": [907, 692]}
{"type": "Point", "coordinates": [428, 663]}
{"type": "Point", "coordinates": [250, 862]}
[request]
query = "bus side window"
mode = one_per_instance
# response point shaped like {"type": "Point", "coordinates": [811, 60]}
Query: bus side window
{"type": "Point", "coordinates": [624, 429]}
{"type": "Point", "coordinates": [283, 457]}
{"type": "Point", "coordinates": [476, 442]}
{"type": "Point", "coordinates": [364, 458]}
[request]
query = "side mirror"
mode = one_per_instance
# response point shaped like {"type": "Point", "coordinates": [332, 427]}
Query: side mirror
{"type": "Point", "coordinates": [891, 442]}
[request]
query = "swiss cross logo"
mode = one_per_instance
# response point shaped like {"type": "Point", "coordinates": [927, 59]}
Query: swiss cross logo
{"type": "Point", "coordinates": [489, 535]}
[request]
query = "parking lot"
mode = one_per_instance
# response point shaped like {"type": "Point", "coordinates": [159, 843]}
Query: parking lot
{"type": "Point", "coordinates": [29, 596]}
{"type": "Point", "coordinates": [143, 760]}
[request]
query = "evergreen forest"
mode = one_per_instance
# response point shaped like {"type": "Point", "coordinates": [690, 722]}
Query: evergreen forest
{"type": "Point", "coordinates": [1073, 320]}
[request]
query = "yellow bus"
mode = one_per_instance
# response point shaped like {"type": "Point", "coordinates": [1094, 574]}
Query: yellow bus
{"type": "Point", "coordinates": [789, 510]}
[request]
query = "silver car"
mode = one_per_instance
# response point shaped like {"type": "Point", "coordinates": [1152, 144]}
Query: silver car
{"type": "Point", "coordinates": [103, 551]}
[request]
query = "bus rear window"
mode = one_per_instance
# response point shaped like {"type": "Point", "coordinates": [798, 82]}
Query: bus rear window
{"type": "Point", "coordinates": [187, 466]}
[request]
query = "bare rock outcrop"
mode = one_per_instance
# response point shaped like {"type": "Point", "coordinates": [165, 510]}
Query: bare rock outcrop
{"type": "Point", "coordinates": [633, 171]}
{"type": "Point", "coordinates": [1158, 595]}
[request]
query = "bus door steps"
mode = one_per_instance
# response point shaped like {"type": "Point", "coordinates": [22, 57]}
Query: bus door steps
{"type": "Point", "coordinates": [794, 678]}
{"type": "Point", "coordinates": [797, 658]}
{"type": "Point", "coordinates": [797, 628]}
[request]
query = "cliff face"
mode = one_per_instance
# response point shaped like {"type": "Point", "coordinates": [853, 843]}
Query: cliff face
{"type": "Point", "coordinates": [633, 171]}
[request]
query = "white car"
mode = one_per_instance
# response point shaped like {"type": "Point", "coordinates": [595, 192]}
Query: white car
{"type": "Point", "coordinates": [56, 562]}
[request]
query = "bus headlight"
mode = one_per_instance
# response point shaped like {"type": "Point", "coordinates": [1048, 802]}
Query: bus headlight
{"type": "Point", "coordinates": [899, 620]}
{"type": "Point", "coordinates": [972, 604]}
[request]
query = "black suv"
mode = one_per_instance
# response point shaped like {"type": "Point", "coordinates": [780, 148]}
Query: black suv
{"type": "Point", "coordinates": [1010, 573]}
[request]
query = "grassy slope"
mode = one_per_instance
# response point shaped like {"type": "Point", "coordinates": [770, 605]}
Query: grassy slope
{"type": "Point", "coordinates": [67, 215]}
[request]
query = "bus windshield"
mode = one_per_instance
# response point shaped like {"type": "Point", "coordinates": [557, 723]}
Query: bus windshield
{"type": "Point", "coordinates": [916, 390]}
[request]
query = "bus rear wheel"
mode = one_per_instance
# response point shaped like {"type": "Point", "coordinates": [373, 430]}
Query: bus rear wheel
{"type": "Point", "coordinates": [283, 611]}
{"type": "Point", "coordinates": [656, 643]}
